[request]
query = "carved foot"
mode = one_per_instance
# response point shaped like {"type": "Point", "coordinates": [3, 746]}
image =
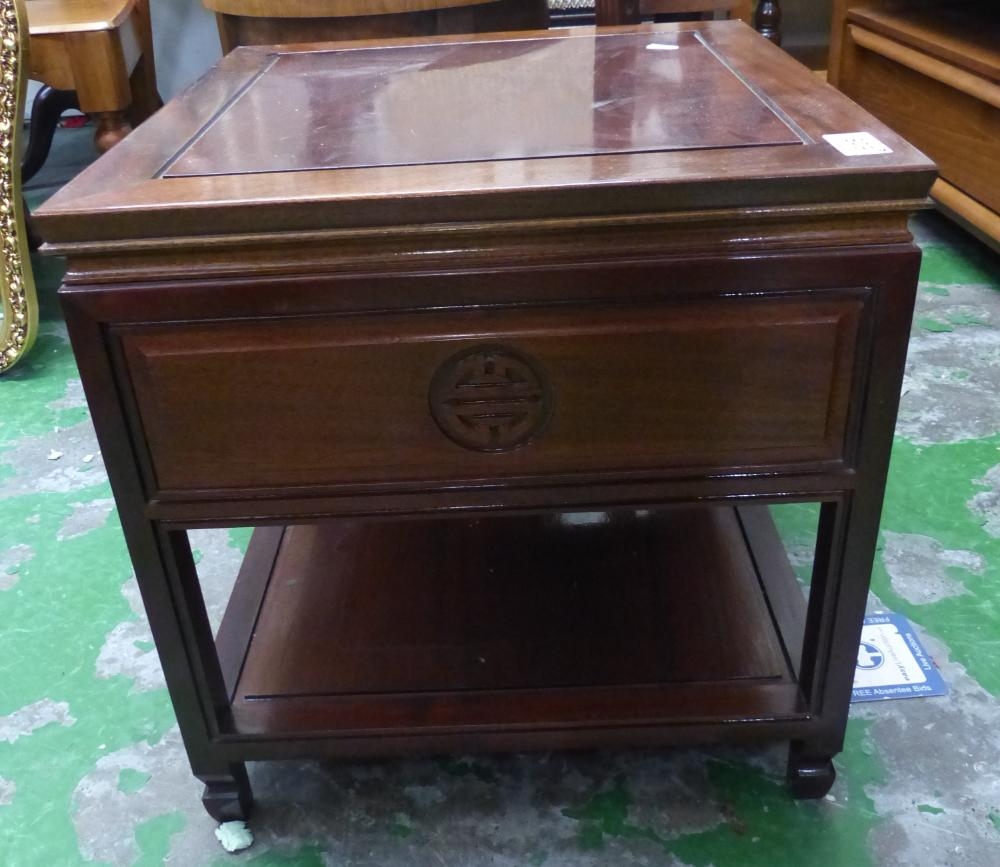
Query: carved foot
{"type": "Point", "coordinates": [112, 127]}
{"type": "Point", "coordinates": [809, 777]}
{"type": "Point", "coordinates": [228, 798]}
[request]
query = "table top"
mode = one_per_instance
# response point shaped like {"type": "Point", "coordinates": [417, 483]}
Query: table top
{"type": "Point", "coordinates": [487, 127]}
{"type": "Point", "coordinates": [479, 101]}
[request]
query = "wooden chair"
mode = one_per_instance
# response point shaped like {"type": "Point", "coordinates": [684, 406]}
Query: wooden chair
{"type": "Point", "coordinates": [18, 304]}
{"type": "Point", "coordinates": [766, 18]}
{"type": "Point", "coordinates": [95, 55]}
{"type": "Point", "coordinates": [265, 22]}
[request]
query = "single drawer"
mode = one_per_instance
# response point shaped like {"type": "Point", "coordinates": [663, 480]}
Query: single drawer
{"type": "Point", "coordinates": [449, 398]}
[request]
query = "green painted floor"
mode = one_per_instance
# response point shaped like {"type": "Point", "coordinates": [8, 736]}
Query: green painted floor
{"type": "Point", "coordinates": [92, 770]}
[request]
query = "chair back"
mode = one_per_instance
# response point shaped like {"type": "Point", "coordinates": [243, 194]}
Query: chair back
{"type": "Point", "coordinates": [611, 12]}
{"type": "Point", "coordinates": [263, 22]}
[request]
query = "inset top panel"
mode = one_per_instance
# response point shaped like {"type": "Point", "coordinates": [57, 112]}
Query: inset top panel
{"type": "Point", "coordinates": [483, 100]}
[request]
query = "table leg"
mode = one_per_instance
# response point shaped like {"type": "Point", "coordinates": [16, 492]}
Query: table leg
{"type": "Point", "coordinates": [767, 20]}
{"type": "Point", "coordinates": [168, 582]}
{"type": "Point", "coordinates": [847, 538]}
{"type": "Point", "coordinates": [227, 794]}
{"type": "Point", "coordinates": [808, 776]}
{"type": "Point", "coordinates": [838, 594]}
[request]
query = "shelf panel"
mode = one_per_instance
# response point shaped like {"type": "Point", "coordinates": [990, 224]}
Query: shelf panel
{"type": "Point", "coordinates": [965, 34]}
{"type": "Point", "coordinates": [526, 621]}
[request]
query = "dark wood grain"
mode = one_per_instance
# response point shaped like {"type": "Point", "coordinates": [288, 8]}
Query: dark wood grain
{"type": "Point", "coordinates": [737, 382]}
{"type": "Point", "coordinates": [612, 95]}
{"type": "Point", "coordinates": [785, 598]}
{"type": "Point", "coordinates": [237, 626]}
{"type": "Point", "coordinates": [559, 600]}
{"type": "Point", "coordinates": [125, 198]}
{"type": "Point", "coordinates": [559, 621]}
{"type": "Point", "coordinates": [701, 329]}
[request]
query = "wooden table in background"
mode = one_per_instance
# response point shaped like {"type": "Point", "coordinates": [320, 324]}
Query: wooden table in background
{"type": "Point", "coordinates": [583, 304]}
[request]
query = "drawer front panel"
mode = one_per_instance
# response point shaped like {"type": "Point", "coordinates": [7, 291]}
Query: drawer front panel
{"type": "Point", "coordinates": [452, 397]}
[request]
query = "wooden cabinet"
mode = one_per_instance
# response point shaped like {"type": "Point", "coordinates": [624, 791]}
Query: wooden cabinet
{"type": "Point", "coordinates": [506, 387]}
{"type": "Point", "coordinates": [931, 70]}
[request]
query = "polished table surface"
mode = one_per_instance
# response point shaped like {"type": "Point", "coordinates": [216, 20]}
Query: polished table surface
{"type": "Point", "coordinates": [354, 136]}
{"type": "Point", "coordinates": [584, 304]}
{"type": "Point", "coordinates": [488, 100]}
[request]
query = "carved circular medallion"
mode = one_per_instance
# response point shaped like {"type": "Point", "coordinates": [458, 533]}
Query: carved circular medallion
{"type": "Point", "coordinates": [490, 399]}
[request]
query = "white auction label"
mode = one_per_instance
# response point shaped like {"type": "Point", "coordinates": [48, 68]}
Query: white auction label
{"type": "Point", "coordinates": [856, 144]}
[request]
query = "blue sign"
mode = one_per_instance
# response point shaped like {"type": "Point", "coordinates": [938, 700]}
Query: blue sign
{"type": "Point", "coordinates": [892, 663]}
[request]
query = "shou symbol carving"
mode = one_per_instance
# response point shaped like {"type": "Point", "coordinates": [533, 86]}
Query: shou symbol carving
{"type": "Point", "coordinates": [491, 399]}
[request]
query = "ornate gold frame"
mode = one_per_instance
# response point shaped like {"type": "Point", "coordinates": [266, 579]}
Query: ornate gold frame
{"type": "Point", "coordinates": [18, 302]}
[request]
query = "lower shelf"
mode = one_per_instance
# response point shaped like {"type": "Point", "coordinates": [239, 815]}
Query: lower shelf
{"type": "Point", "coordinates": [545, 624]}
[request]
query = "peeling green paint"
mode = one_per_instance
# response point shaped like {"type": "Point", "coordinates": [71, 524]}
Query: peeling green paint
{"type": "Point", "coordinates": [934, 325]}
{"type": "Point", "coordinates": [605, 815]}
{"type": "Point", "coordinates": [131, 780]}
{"type": "Point", "coordinates": [32, 386]}
{"type": "Point", "coordinates": [67, 598]}
{"type": "Point", "coordinates": [239, 538]}
{"type": "Point", "coordinates": [758, 817]}
{"type": "Point", "coordinates": [946, 266]}
{"type": "Point", "coordinates": [928, 491]}
{"type": "Point", "coordinates": [306, 856]}
{"type": "Point", "coordinates": [930, 809]}
{"type": "Point", "coordinates": [153, 838]}
{"type": "Point", "coordinates": [797, 525]}
{"type": "Point", "coordinates": [966, 319]}
{"type": "Point", "coordinates": [761, 818]}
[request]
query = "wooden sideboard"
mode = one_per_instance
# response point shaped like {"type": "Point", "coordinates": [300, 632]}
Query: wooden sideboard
{"type": "Point", "coordinates": [506, 386]}
{"type": "Point", "coordinates": [931, 70]}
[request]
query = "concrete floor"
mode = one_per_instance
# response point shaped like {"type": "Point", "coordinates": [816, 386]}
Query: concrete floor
{"type": "Point", "coordinates": [92, 770]}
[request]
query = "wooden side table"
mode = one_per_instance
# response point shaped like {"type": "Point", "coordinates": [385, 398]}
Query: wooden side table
{"type": "Point", "coordinates": [585, 331]}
